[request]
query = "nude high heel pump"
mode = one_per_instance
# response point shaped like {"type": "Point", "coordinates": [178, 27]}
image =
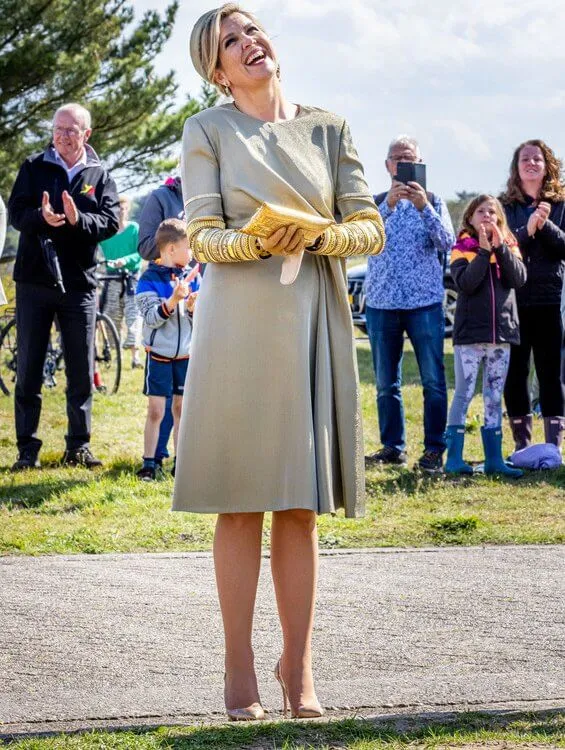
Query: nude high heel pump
{"type": "Point", "coordinates": [303, 712]}
{"type": "Point", "coordinates": [254, 712]}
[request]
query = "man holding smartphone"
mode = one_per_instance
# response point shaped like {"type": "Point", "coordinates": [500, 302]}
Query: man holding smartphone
{"type": "Point", "coordinates": [404, 295]}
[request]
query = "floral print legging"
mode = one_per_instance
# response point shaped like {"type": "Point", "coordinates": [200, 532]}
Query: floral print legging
{"type": "Point", "coordinates": [495, 359]}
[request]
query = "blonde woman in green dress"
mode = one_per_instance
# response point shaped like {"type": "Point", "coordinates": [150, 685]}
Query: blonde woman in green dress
{"type": "Point", "coordinates": [271, 414]}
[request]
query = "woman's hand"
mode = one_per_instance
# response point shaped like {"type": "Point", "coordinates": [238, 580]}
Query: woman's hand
{"type": "Point", "coordinates": [543, 211]}
{"type": "Point", "coordinates": [532, 225]}
{"type": "Point", "coordinates": [285, 241]}
{"type": "Point", "coordinates": [538, 218]}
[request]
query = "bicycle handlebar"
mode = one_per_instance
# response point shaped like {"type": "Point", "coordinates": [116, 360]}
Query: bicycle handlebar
{"type": "Point", "coordinates": [120, 274]}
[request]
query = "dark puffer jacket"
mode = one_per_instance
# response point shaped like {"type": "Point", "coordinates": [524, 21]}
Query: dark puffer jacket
{"type": "Point", "coordinates": [486, 311]}
{"type": "Point", "coordinates": [543, 254]}
{"type": "Point", "coordinates": [96, 198]}
{"type": "Point", "coordinates": [163, 203]}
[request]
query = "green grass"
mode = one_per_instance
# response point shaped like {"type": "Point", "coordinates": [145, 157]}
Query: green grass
{"type": "Point", "coordinates": [59, 510]}
{"type": "Point", "coordinates": [472, 730]}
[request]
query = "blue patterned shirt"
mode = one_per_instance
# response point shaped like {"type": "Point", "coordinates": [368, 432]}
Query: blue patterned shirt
{"type": "Point", "coordinates": [408, 274]}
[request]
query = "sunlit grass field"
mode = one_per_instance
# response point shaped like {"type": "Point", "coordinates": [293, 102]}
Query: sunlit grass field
{"type": "Point", "coordinates": [63, 510]}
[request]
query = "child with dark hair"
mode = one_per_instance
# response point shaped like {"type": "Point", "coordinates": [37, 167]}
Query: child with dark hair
{"type": "Point", "coordinates": [486, 267]}
{"type": "Point", "coordinates": [166, 295]}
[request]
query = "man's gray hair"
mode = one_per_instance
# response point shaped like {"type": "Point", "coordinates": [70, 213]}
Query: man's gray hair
{"type": "Point", "coordinates": [404, 141]}
{"type": "Point", "coordinates": [80, 112]}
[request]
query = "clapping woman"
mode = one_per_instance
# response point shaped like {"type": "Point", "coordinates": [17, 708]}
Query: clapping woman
{"type": "Point", "coordinates": [271, 417]}
{"type": "Point", "coordinates": [534, 202]}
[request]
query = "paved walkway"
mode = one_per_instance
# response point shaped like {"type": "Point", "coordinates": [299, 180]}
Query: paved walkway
{"type": "Point", "coordinates": [105, 640]}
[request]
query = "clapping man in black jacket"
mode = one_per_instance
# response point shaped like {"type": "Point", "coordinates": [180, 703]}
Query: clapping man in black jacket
{"type": "Point", "coordinates": [63, 203]}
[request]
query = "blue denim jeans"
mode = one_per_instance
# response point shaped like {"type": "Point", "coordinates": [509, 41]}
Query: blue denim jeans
{"type": "Point", "coordinates": [425, 328]}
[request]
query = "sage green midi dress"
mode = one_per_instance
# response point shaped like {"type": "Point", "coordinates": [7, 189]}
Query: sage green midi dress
{"type": "Point", "coordinates": [271, 414]}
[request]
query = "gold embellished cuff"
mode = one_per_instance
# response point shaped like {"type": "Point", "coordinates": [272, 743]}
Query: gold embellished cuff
{"type": "Point", "coordinates": [362, 233]}
{"type": "Point", "coordinates": [211, 242]}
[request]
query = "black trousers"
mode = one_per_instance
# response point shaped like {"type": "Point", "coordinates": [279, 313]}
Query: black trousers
{"type": "Point", "coordinates": [540, 333]}
{"type": "Point", "coordinates": [36, 307]}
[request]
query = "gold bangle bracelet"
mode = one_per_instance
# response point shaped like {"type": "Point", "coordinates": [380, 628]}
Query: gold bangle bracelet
{"type": "Point", "coordinates": [357, 236]}
{"type": "Point", "coordinates": [218, 245]}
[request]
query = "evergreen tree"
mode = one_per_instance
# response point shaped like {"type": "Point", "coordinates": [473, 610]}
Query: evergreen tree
{"type": "Point", "coordinates": [457, 207]}
{"type": "Point", "coordinates": [92, 52]}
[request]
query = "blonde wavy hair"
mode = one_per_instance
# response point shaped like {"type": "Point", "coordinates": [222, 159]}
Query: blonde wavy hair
{"type": "Point", "coordinates": [552, 188]}
{"type": "Point", "coordinates": [205, 41]}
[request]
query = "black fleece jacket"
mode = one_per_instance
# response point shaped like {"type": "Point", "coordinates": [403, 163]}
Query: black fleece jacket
{"type": "Point", "coordinates": [486, 311]}
{"type": "Point", "coordinates": [95, 195]}
{"type": "Point", "coordinates": [543, 254]}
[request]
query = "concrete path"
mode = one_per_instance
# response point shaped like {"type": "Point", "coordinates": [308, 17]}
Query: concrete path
{"type": "Point", "coordinates": [109, 640]}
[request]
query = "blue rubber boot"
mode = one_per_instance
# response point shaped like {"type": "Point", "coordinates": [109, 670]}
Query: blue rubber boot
{"type": "Point", "coordinates": [494, 463]}
{"type": "Point", "coordinates": [455, 437]}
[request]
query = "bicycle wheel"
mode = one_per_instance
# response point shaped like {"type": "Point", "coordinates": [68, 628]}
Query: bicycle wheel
{"type": "Point", "coordinates": [8, 357]}
{"type": "Point", "coordinates": [107, 356]}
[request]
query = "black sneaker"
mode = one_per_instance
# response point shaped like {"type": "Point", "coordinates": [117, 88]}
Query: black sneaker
{"type": "Point", "coordinates": [387, 455]}
{"type": "Point", "coordinates": [80, 457]}
{"type": "Point", "coordinates": [147, 474]}
{"type": "Point", "coordinates": [431, 462]}
{"type": "Point", "coordinates": [173, 470]}
{"type": "Point", "coordinates": [26, 460]}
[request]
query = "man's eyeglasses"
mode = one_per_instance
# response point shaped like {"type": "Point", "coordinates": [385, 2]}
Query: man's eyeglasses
{"type": "Point", "coordinates": [71, 132]}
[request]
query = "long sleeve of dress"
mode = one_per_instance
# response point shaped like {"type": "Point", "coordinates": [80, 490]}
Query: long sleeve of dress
{"type": "Point", "coordinates": [362, 231]}
{"type": "Point", "coordinates": [208, 237]}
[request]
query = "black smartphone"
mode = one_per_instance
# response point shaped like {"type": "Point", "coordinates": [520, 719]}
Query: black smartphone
{"type": "Point", "coordinates": [409, 171]}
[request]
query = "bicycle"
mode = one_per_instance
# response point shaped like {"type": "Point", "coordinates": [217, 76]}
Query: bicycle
{"type": "Point", "coordinates": [107, 355]}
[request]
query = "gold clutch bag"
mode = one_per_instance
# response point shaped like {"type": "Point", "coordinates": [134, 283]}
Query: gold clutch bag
{"type": "Point", "coordinates": [268, 218]}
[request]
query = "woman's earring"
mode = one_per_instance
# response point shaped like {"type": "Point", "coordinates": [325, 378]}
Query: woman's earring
{"type": "Point", "coordinates": [278, 71]}
{"type": "Point", "coordinates": [225, 88]}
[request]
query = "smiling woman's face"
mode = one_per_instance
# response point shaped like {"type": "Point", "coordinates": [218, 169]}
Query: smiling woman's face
{"type": "Point", "coordinates": [531, 164]}
{"type": "Point", "coordinates": [246, 55]}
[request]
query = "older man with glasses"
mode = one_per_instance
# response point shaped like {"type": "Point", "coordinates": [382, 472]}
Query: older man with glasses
{"type": "Point", "coordinates": [404, 292]}
{"type": "Point", "coordinates": [63, 203]}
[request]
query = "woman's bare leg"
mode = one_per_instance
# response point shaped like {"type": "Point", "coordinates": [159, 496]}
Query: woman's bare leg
{"type": "Point", "coordinates": [294, 565]}
{"type": "Point", "coordinates": [237, 559]}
